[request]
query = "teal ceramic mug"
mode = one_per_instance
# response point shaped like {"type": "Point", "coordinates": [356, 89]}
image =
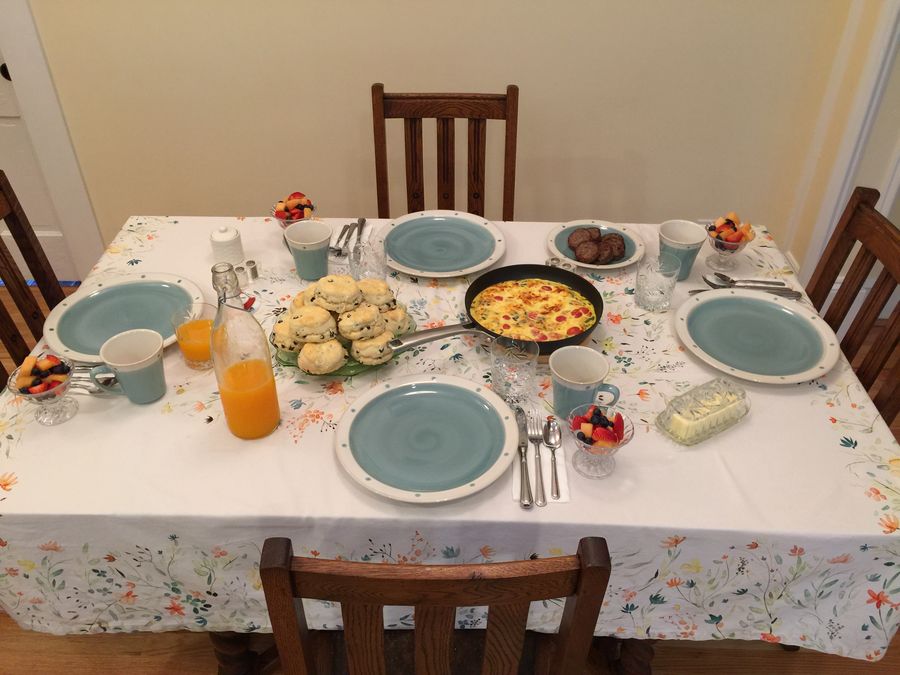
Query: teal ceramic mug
{"type": "Point", "coordinates": [135, 358]}
{"type": "Point", "coordinates": [308, 241]}
{"type": "Point", "coordinates": [682, 239]}
{"type": "Point", "coordinates": [578, 374]}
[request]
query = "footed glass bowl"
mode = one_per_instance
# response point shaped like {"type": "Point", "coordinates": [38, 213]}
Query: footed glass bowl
{"type": "Point", "coordinates": [594, 458]}
{"type": "Point", "coordinates": [722, 259]}
{"type": "Point", "coordinates": [54, 406]}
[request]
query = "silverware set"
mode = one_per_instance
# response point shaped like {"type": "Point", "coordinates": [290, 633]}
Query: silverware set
{"type": "Point", "coordinates": [342, 243]}
{"type": "Point", "coordinates": [549, 435]}
{"type": "Point", "coordinates": [717, 280]}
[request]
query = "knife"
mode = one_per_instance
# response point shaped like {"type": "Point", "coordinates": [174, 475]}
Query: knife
{"type": "Point", "coordinates": [525, 498]}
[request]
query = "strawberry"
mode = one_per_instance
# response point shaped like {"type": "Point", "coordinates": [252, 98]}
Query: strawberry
{"type": "Point", "coordinates": [296, 214]}
{"type": "Point", "coordinates": [578, 420]}
{"type": "Point", "coordinates": [619, 426]}
{"type": "Point", "coordinates": [281, 215]}
{"type": "Point", "coordinates": [590, 412]}
{"type": "Point", "coordinates": [296, 195]}
{"type": "Point", "coordinates": [52, 383]}
{"type": "Point", "coordinates": [39, 389]}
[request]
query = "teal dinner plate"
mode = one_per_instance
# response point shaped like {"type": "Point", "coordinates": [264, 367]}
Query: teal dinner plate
{"type": "Point", "coordinates": [558, 242]}
{"type": "Point", "coordinates": [78, 326]}
{"type": "Point", "coordinates": [427, 439]}
{"type": "Point", "coordinates": [442, 244]}
{"type": "Point", "coordinates": [757, 336]}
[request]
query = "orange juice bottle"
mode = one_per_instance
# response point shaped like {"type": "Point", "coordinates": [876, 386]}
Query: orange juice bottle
{"type": "Point", "coordinates": [240, 354]}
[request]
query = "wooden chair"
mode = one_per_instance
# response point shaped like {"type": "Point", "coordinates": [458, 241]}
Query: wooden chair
{"type": "Point", "coordinates": [879, 241]}
{"type": "Point", "coordinates": [17, 222]}
{"type": "Point", "coordinates": [435, 591]}
{"type": "Point", "coordinates": [445, 108]}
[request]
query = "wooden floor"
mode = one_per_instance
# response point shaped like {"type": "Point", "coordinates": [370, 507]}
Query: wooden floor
{"type": "Point", "coordinates": [183, 653]}
{"type": "Point", "coordinates": [177, 653]}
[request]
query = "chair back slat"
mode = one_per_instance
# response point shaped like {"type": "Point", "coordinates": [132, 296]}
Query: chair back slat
{"type": "Point", "coordinates": [877, 357]}
{"type": "Point", "coordinates": [12, 340]}
{"type": "Point", "coordinates": [415, 172]}
{"type": "Point", "coordinates": [288, 625]}
{"type": "Point", "coordinates": [879, 240]}
{"type": "Point", "coordinates": [364, 636]}
{"type": "Point", "coordinates": [446, 162]}
{"type": "Point", "coordinates": [875, 302]}
{"type": "Point", "coordinates": [887, 400]}
{"type": "Point", "coordinates": [461, 106]}
{"type": "Point", "coordinates": [507, 589]}
{"type": "Point", "coordinates": [505, 638]}
{"type": "Point", "coordinates": [509, 151]}
{"type": "Point", "coordinates": [20, 228]}
{"type": "Point", "coordinates": [477, 148]}
{"type": "Point", "coordinates": [16, 343]}
{"type": "Point", "coordinates": [851, 285]}
{"type": "Point", "coordinates": [20, 293]}
{"type": "Point", "coordinates": [434, 634]}
{"type": "Point", "coordinates": [582, 607]}
{"type": "Point", "coordinates": [381, 167]}
{"type": "Point", "coordinates": [445, 108]}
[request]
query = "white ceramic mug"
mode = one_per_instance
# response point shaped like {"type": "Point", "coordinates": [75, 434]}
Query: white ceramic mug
{"type": "Point", "coordinates": [135, 358]}
{"type": "Point", "coordinates": [308, 241]}
{"type": "Point", "coordinates": [682, 239]}
{"type": "Point", "coordinates": [578, 374]}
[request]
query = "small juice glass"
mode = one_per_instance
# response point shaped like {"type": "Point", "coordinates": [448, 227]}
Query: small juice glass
{"type": "Point", "coordinates": [193, 334]}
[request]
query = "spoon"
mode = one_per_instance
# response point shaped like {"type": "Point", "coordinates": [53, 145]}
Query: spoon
{"type": "Point", "coordinates": [553, 439]}
{"type": "Point", "coordinates": [724, 278]}
{"type": "Point", "coordinates": [774, 290]}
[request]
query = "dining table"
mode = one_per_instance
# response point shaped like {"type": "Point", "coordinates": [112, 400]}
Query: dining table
{"type": "Point", "coordinates": [784, 528]}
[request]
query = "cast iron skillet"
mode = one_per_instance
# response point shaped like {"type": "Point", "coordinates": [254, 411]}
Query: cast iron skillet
{"type": "Point", "coordinates": [510, 273]}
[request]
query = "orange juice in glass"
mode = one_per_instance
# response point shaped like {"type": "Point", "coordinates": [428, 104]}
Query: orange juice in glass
{"type": "Point", "coordinates": [193, 328]}
{"type": "Point", "coordinates": [247, 390]}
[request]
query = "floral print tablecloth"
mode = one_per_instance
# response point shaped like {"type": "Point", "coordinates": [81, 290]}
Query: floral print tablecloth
{"type": "Point", "coordinates": [128, 518]}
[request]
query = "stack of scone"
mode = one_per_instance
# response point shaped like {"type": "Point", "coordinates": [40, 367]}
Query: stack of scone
{"type": "Point", "coordinates": [337, 311]}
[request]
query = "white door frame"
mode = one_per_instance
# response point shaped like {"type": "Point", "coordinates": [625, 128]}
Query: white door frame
{"type": "Point", "coordinates": [868, 97]}
{"type": "Point", "coordinates": [50, 139]}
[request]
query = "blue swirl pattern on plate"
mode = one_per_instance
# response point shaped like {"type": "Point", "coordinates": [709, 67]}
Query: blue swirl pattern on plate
{"type": "Point", "coordinates": [439, 244]}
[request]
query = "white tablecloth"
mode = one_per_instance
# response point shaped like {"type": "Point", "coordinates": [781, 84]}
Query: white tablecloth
{"type": "Point", "coordinates": [151, 517]}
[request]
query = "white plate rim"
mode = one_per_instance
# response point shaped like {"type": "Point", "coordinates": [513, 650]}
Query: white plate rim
{"type": "Point", "coordinates": [496, 254]}
{"type": "Point", "coordinates": [53, 318]}
{"type": "Point", "coordinates": [507, 454]}
{"type": "Point", "coordinates": [632, 232]}
{"type": "Point", "coordinates": [831, 350]}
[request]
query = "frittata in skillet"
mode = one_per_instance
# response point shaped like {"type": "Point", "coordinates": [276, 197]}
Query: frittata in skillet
{"type": "Point", "coordinates": [533, 309]}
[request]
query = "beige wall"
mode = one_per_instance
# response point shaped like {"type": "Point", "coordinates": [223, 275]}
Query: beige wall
{"type": "Point", "coordinates": [637, 111]}
{"type": "Point", "coordinates": [878, 157]}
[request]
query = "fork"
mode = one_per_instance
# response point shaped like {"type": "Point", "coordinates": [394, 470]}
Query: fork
{"type": "Point", "coordinates": [535, 435]}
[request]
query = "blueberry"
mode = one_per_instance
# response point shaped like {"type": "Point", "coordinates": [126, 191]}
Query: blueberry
{"type": "Point", "coordinates": [711, 228]}
{"type": "Point", "coordinates": [60, 369]}
{"type": "Point", "coordinates": [595, 419]}
{"type": "Point", "coordinates": [580, 435]}
{"type": "Point", "coordinates": [604, 422]}
{"type": "Point", "coordinates": [23, 390]}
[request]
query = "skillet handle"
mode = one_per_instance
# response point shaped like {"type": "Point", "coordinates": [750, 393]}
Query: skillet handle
{"type": "Point", "coordinates": [421, 337]}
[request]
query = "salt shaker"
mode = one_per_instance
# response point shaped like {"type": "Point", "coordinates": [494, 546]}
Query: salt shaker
{"type": "Point", "coordinates": [226, 245]}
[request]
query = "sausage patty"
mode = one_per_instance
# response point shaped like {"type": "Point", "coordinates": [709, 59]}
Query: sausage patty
{"type": "Point", "coordinates": [587, 251]}
{"type": "Point", "coordinates": [579, 236]}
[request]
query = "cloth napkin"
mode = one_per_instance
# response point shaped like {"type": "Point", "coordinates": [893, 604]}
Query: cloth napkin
{"type": "Point", "coordinates": [561, 471]}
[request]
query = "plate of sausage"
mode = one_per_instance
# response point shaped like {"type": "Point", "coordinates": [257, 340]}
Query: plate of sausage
{"type": "Point", "coordinates": [596, 244]}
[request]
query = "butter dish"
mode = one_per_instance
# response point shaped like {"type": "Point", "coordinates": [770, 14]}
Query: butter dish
{"type": "Point", "coordinates": [703, 412]}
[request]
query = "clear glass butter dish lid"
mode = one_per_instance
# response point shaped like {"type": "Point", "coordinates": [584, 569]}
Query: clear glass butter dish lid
{"type": "Point", "coordinates": [704, 411]}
